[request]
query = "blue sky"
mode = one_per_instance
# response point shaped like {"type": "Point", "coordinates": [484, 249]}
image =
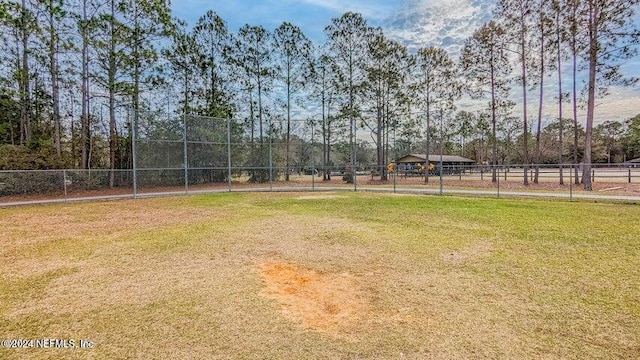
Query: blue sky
{"type": "Point", "coordinates": [310, 15]}
{"type": "Point", "coordinates": [416, 23]}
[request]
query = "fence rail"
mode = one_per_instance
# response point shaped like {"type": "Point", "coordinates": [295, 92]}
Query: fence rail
{"type": "Point", "coordinates": [193, 154]}
{"type": "Point", "coordinates": [44, 186]}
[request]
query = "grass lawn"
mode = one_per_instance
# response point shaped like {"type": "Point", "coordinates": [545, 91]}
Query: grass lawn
{"type": "Point", "coordinates": [322, 275]}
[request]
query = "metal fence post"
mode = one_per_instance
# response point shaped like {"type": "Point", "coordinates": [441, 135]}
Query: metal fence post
{"type": "Point", "coordinates": [64, 184]}
{"type": "Point", "coordinates": [134, 155]}
{"type": "Point", "coordinates": [441, 149]}
{"type": "Point", "coordinates": [354, 159]}
{"type": "Point", "coordinates": [186, 166]}
{"type": "Point", "coordinates": [498, 181]}
{"type": "Point", "coordinates": [229, 152]}
{"type": "Point", "coordinates": [313, 160]}
{"type": "Point", "coordinates": [270, 157]}
{"type": "Point", "coordinates": [395, 157]}
{"type": "Point", "coordinates": [571, 184]}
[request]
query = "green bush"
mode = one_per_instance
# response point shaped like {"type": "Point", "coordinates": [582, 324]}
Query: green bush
{"type": "Point", "coordinates": [34, 157]}
{"type": "Point", "coordinates": [30, 182]}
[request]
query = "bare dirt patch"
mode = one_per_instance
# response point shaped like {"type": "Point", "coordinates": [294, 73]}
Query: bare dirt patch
{"type": "Point", "coordinates": [330, 303]}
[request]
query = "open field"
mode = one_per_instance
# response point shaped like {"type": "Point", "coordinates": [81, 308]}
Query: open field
{"type": "Point", "coordinates": [322, 275]}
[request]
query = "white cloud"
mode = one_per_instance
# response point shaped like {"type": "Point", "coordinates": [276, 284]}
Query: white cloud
{"type": "Point", "coordinates": [444, 23]}
{"type": "Point", "coordinates": [369, 9]}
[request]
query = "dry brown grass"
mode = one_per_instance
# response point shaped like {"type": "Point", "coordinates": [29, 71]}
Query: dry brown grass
{"type": "Point", "coordinates": [359, 276]}
{"type": "Point", "coordinates": [320, 197]}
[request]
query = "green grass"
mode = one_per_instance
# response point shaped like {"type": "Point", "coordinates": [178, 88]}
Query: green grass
{"type": "Point", "coordinates": [442, 277]}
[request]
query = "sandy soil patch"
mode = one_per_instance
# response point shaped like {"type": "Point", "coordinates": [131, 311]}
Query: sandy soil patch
{"type": "Point", "coordinates": [330, 303]}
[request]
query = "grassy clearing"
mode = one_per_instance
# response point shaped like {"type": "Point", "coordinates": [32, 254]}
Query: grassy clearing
{"type": "Point", "coordinates": [347, 275]}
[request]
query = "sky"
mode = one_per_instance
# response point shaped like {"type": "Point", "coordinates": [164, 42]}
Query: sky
{"type": "Point", "coordinates": [415, 23]}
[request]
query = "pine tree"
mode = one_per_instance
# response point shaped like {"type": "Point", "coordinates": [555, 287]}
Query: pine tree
{"type": "Point", "coordinates": [347, 44]}
{"type": "Point", "coordinates": [386, 75]}
{"type": "Point", "coordinates": [214, 39]}
{"type": "Point", "coordinates": [293, 59]}
{"type": "Point", "coordinates": [486, 68]}
{"type": "Point", "coordinates": [611, 36]}
{"type": "Point", "coordinates": [516, 16]}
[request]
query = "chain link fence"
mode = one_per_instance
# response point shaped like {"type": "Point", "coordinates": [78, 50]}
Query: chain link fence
{"type": "Point", "coordinates": [196, 154]}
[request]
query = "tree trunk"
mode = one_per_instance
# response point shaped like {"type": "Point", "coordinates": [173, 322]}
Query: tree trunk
{"type": "Point", "coordinates": [428, 103]}
{"type": "Point", "coordinates": [379, 130]}
{"type": "Point", "coordinates": [25, 93]}
{"type": "Point", "coordinates": [324, 128]}
{"type": "Point", "coordinates": [351, 121]}
{"type": "Point", "coordinates": [252, 119]}
{"type": "Point", "coordinates": [561, 130]}
{"type": "Point", "coordinates": [136, 82]}
{"type": "Point", "coordinates": [593, 53]}
{"type": "Point", "coordinates": [494, 156]}
{"type": "Point", "coordinates": [574, 50]}
{"type": "Point", "coordinates": [213, 105]}
{"type": "Point", "coordinates": [328, 138]}
{"type": "Point", "coordinates": [112, 89]}
{"type": "Point", "coordinates": [85, 128]}
{"type": "Point", "coordinates": [260, 105]}
{"type": "Point", "coordinates": [286, 176]}
{"type": "Point", "coordinates": [55, 88]}
{"type": "Point", "coordinates": [540, 101]}
{"type": "Point", "coordinates": [525, 133]}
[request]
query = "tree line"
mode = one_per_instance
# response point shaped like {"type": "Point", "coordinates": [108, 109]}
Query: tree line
{"type": "Point", "coordinates": [72, 68]}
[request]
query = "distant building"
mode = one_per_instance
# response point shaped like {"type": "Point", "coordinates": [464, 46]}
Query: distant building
{"type": "Point", "coordinates": [633, 163]}
{"type": "Point", "coordinates": [414, 163]}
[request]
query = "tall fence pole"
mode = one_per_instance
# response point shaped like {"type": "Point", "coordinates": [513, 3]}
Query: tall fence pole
{"type": "Point", "coordinates": [441, 148]}
{"type": "Point", "coordinates": [64, 184]}
{"type": "Point", "coordinates": [395, 156]}
{"type": "Point", "coordinates": [229, 152]}
{"type": "Point", "coordinates": [571, 183]}
{"type": "Point", "coordinates": [186, 166]}
{"type": "Point", "coordinates": [354, 155]}
{"type": "Point", "coordinates": [313, 159]}
{"type": "Point", "coordinates": [498, 180]}
{"type": "Point", "coordinates": [270, 157]}
{"type": "Point", "coordinates": [134, 165]}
